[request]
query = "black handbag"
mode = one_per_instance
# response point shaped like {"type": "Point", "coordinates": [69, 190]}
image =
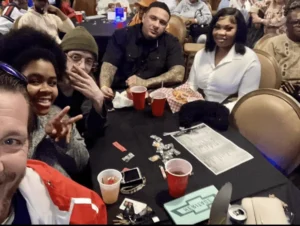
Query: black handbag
{"type": "Point", "coordinates": [198, 29]}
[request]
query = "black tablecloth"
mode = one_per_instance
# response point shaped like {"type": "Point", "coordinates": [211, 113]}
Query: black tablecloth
{"type": "Point", "coordinates": [102, 27]}
{"type": "Point", "coordinates": [132, 129]}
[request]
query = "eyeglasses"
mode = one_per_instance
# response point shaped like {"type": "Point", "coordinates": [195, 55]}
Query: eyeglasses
{"type": "Point", "coordinates": [77, 58]}
{"type": "Point", "coordinates": [10, 70]}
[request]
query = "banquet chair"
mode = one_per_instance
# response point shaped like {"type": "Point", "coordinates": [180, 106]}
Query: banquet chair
{"type": "Point", "coordinates": [177, 28]}
{"type": "Point", "coordinates": [270, 119]}
{"type": "Point", "coordinates": [270, 70]}
{"type": "Point", "coordinates": [190, 50]}
{"type": "Point", "coordinates": [263, 41]}
{"type": "Point", "coordinates": [89, 6]}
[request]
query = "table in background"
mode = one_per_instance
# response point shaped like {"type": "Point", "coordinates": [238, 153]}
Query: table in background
{"type": "Point", "coordinates": [102, 29]}
{"type": "Point", "coordinates": [132, 129]}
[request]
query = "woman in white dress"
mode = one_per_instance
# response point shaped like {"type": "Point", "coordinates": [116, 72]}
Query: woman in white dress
{"type": "Point", "coordinates": [226, 66]}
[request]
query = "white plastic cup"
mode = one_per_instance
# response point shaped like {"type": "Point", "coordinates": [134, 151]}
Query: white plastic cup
{"type": "Point", "coordinates": [110, 192]}
{"type": "Point", "coordinates": [178, 172]}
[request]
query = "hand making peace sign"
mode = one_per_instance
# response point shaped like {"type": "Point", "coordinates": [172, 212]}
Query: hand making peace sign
{"type": "Point", "coordinates": [60, 127]}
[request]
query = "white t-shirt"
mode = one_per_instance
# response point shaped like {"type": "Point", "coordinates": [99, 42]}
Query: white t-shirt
{"type": "Point", "coordinates": [46, 22]}
{"type": "Point", "coordinates": [235, 73]}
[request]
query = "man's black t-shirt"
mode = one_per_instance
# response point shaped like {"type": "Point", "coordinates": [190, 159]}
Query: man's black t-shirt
{"type": "Point", "coordinates": [133, 54]}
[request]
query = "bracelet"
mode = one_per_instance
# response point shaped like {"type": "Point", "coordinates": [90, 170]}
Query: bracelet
{"type": "Point", "coordinates": [133, 189]}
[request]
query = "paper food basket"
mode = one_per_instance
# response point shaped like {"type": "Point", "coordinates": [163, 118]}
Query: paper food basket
{"type": "Point", "coordinates": [175, 103]}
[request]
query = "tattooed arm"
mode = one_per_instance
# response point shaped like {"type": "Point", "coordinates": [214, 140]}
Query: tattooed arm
{"type": "Point", "coordinates": [174, 76]}
{"type": "Point", "coordinates": [107, 75]}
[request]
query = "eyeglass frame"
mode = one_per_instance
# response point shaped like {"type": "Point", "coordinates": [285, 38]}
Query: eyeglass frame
{"type": "Point", "coordinates": [94, 65]}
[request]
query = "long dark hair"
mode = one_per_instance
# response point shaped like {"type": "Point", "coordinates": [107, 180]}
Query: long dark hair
{"type": "Point", "coordinates": [241, 33]}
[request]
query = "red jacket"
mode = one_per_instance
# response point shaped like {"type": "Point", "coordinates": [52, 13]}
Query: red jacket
{"type": "Point", "coordinates": [54, 199]}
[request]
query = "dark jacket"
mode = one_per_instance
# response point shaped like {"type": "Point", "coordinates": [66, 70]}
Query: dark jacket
{"type": "Point", "coordinates": [92, 125]}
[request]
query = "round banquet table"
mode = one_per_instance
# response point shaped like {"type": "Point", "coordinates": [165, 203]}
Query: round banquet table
{"type": "Point", "coordinates": [133, 129]}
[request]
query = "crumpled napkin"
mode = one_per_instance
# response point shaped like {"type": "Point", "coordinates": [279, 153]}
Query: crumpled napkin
{"type": "Point", "coordinates": [121, 100]}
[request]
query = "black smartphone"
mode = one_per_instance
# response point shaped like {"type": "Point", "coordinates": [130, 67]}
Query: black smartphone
{"type": "Point", "coordinates": [132, 176]}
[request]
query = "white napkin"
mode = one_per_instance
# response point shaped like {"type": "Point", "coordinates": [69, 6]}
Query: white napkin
{"type": "Point", "coordinates": [121, 100]}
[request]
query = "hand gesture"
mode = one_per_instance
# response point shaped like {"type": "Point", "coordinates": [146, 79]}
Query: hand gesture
{"type": "Point", "coordinates": [60, 127]}
{"type": "Point", "coordinates": [84, 83]}
{"type": "Point", "coordinates": [52, 9]}
{"type": "Point", "coordinates": [108, 93]}
{"type": "Point", "coordinates": [135, 81]}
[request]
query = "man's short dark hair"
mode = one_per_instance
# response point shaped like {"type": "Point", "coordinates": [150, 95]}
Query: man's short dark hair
{"type": "Point", "coordinates": [12, 84]}
{"type": "Point", "coordinates": [161, 5]}
{"type": "Point", "coordinates": [291, 5]}
{"type": "Point", "coordinates": [241, 33]}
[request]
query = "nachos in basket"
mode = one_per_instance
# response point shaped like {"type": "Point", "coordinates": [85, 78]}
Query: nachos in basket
{"type": "Point", "coordinates": [182, 95]}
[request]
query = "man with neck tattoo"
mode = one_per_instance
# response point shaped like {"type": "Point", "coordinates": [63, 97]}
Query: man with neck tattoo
{"type": "Point", "coordinates": [32, 192]}
{"type": "Point", "coordinates": [143, 54]}
{"type": "Point", "coordinates": [47, 18]}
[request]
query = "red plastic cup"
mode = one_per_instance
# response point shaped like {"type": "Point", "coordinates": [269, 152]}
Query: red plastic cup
{"type": "Point", "coordinates": [120, 25]}
{"type": "Point", "coordinates": [138, 97]}
{"type": "Point", "coordinates": [79, 17]}
{"type": "Point", "coordinates": [178, 172]}
{"type": "Point", "coordinates": [158, 103]}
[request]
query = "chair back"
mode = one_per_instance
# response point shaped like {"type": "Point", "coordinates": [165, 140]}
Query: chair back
{"type": "Point", "coordinates": [177, 28]}
{"type": "Point", "coordinates": [270, 119]}
{"type": "Point", "coordinates": [190, 50]}
{"type": "Point", "coordinates": [270, 70]}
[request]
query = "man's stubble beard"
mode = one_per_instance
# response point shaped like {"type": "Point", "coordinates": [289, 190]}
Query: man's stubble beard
{"type": "Point", "coordinates": [7, 195]}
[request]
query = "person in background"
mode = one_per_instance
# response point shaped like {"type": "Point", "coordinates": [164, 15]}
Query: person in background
{"type": "Point", "coordinates": [285, 48]}
{"type": "Point", "coordinates": [171, 4]}
{"type": "Point", "coordinates": [56, 140]}
{"type": "Point", "coordinates": [223, 4]}
{"type": "Point", "coordinates": [65, 7]}
{"type": "Point", "coordinates": [226, 66]}
{"type": "Point", "coordinates": [47, 18]}
{"type": "Point", "coordinates": [193, 12]}
{"type": "Point", "coordinates": [143, 54]}
{"type": "Point", "coordinates": [243, 5]}
{"type": "Point", "coordinates": [13, 11]}
{"type": "Point", "coordinates": [142, 7]}
{"type": "Point", "coordinates": [32, 192]}
{"type": "Point", "coordinates": [78, 88]}
{"type": "Point", "coordinates": [103, 6]}
{"type": "Point", "coordinates": [274, 19]}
